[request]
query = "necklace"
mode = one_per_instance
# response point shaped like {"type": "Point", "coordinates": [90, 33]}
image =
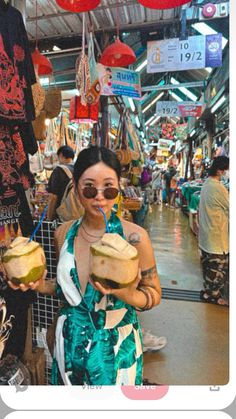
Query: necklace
{"type": "Point", "coordinates": [89, 234]}
{"type": "Point", "coordinates": [88, 241]}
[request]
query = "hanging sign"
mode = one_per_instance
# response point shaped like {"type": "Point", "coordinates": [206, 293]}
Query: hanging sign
{"type": "Point", "coordinates": [181, 132]}
{"type": "Point", "coordinates": [165, 144]}
{"type": "Point", "coordinates": [119, 81]}
{"type": "Point", "coordinates": [174, 54]}
{"type": "Point", "coordinates": [182, 109]}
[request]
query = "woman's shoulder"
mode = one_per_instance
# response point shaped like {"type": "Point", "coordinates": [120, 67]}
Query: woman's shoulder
{"type": "Point", "coordinates": [61, 231]}
{"type": "Point", "coordinates": [134, 233]}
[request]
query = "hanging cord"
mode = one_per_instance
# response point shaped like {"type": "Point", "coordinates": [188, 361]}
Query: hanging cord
{"type": "Point", "coordinates": [36, 29]}
{"type": "Point", "coordinates": [117, 21]}
{"type": "Point", "coordinates": [83, 75]}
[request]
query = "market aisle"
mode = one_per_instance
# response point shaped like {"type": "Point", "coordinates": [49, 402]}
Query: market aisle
{"type": "Point", "coordinates": [175, 248]}
{"type": "Point", "coordinates": [197, 351]}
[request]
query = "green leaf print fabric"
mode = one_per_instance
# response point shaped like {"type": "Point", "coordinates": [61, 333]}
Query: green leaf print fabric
{"type": "Point", "coordinates": [98, 337]}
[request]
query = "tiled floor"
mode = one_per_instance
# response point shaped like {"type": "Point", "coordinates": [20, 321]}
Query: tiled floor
{"type": "Point", "coordinates": [197, 333]}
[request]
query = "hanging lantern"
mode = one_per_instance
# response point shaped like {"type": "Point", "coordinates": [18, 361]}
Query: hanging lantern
{"type": "Point", "coordinates": [78, 6]}
{"type": "Point", "coordinates": [44, 66]}
{"type": "Point", "coordinates": [118, 54]}
{"type": "Point", "coordinates": [83, 114]}
{"type": "Point", "coordinates": [163, 4]}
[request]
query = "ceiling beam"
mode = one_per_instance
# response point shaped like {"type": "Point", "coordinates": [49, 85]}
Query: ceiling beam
{"type": "Point", "coordinates": [173, 86]}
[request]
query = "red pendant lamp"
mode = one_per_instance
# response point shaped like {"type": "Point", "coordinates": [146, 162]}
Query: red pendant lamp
{"type": "Point", "coordinates": [41, 63]}
{"type": "Point", "coordinates": [117, 54]}
{"type": "Point", "coordinates": [78, 6]}
{"type": "Point", "coordinates": [163, 4]}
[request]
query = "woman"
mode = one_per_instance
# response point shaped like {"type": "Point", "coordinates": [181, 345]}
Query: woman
{"type": "Point", "coordinates": [98, 336]}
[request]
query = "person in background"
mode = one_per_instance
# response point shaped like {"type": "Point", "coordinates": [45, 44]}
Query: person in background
{"type": "Point", "coordinates": [171, 171]}
{"type": "Point", "coordinates": [214, 234]}
{"type": "Point", "coordinates": [156, 185]}
{"type": "Point", "coordinates": [173, 189]}
{"type": "Point", "coordinates": [58, 180]}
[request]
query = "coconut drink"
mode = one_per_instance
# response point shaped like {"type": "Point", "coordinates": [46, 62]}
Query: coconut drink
{"type": "Point", "coordinates": [24, 261]}
{"type": "Point", "coordinates": [114, 262]}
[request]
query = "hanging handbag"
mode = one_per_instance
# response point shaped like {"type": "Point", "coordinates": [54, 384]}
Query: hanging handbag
{"type": "Point", "coordinates": [82, 80]}
{"type": "Point", "coordinates": [50, 154]}
{"type": "Point", "coordinates": [38, 94]}
{"type": "Point", "coordinates": [39, 126]}
{"type": "Point", "coordinates": [53, 101]}
{"type": "Point", "coordinates": [94, 92]}
{"type": "Point", "coordinates": [36, 162]}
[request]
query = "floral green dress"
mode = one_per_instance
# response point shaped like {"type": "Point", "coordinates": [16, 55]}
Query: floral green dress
{"type": "Point", "coordinates": [98, 337]}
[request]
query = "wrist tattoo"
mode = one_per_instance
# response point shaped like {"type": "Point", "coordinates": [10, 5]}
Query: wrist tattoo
{"type": "Point", "coordinates": [134, 238]}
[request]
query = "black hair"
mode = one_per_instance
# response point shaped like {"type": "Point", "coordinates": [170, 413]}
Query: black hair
{"type": "Point", "coordinates": [66, 151]}
{"type": "Point", "coordinates": [219, 163]}
{"type": "Point", "coordinates": [93, 155]}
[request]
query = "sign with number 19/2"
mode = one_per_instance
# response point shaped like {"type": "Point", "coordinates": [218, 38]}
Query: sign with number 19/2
{"type": "Point", "coordinates": [174, 54]}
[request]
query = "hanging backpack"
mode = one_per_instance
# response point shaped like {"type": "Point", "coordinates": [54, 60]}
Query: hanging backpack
{"type": "Point", "coordinates": [70, 207]}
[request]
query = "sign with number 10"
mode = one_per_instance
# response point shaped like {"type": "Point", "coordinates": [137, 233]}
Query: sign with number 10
{"type": "Point", "coordinates": [174, 54]}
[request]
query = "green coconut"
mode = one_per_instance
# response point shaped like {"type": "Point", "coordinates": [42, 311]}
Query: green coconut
{"type": "Point", "coordinates": [24, 261]}
{"type": "Point", "coordinates": [114, 262]}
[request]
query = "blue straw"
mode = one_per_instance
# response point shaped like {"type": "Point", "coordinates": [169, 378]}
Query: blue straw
{"type": "Point", "coordinates": [105, 219]}
{"type": "Point", "coordinates": [39, 224]}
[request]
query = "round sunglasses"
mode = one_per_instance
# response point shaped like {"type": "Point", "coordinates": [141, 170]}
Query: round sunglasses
{"type": "Point", "coordinates": [90, 192]}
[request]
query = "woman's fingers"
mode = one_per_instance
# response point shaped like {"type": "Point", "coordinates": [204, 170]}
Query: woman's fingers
{"type": "Point", "coordinates": [103, 290]}
{"type": "Point", "coordinates": [32, 285]}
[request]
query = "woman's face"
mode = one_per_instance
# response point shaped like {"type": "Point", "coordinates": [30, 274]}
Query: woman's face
{"type": "Point", "coordinates": [99, 176]}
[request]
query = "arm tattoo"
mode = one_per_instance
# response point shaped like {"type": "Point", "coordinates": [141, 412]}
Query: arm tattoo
{"type": "Point", "coordinates": [134, 238]}
{"type": "Point", "coordinates": [148, 274]}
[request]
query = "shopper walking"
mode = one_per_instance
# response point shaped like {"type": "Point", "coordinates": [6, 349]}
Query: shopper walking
{"type": "Point", "coordinates": [59, 179]}
{"type": "Point", "coordinates": [98, 336]}
{"type": "Point", "coordinates": [156, 185]}
{"type": "Point", "coordinates": [171, 171]}
{"type": "Point", "coordinates": [214, 234]}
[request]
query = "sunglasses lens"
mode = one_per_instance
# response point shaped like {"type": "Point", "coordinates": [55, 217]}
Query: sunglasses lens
{"type": "Point", "coordinates": [89, 192]}
{"type": "Point", "coordinates": [110, 193]}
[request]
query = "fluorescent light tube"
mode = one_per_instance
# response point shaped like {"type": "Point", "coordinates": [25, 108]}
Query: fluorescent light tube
{"type": "Point", "coordinates": [155, 120]}
{"type": "Point", "coordinates": [184, 90]}
{"type": "Point", "coordinates": [152, 102]}
{"type": "Point", "coordinates": [218, 104]}
{"type": "Point", "coordinates": [132, 105]}
{"type": "Point", "coordinates": [141, 66]}
{"type": "Point", "coordinates": [176, 97]}
{"type": "Point", "coordinates": [149, 120]}
{"type": "Point", "coordinates": [137, 121]}
{"type": "Point", "coordinates": [205, 29]}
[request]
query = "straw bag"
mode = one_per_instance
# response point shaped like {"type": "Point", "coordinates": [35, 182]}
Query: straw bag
{"type": "Point", "coordinates": [94, 92]}
{"type": "Point", "coordinates": [39, 126]}
{"type": "Point", "coordinates": [53, 101]}
{"type": "Point", "coordinates": [50, 154]}
{"type": "Point", "coordinates": [38, 94]}
{"type": "Point", "coordinates": [82, 80]}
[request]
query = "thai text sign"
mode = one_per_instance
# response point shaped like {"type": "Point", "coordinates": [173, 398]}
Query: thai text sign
{"type": "Point", "coordinates": [183, 109]}
{"type": "Point", "coordinates": [174, 54]}
{"type": "Point", "coordinates": [119, 81]}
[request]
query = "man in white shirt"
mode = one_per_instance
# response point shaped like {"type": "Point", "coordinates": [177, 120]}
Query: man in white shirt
{"type": "Point", "coordinates": [214, 233]}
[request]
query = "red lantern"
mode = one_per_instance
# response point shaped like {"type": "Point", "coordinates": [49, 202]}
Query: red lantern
{"type": "Point", "coordinates": [42, 62]}
{"type": "Point", "coordinates": [83, 114]}
{"type": "Point", "coordinates": [163, 4]}
{"type": "Point", "coordinates": [78, 5]}
{"type": "Point", "coordinates": [118, 54]}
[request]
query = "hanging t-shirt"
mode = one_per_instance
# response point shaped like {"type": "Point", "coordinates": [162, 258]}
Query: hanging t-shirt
{"type": "Point", "coordinates": [15, 220]}
{"type": "Point", "coordinates": [14, 162]}
{"type": "Point", "coordinates": [16, 69]}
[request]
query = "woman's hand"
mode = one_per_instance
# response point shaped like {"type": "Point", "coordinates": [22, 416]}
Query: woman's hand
{"type": "Point", "coordinates": [126, 294]}
{"type": "Point", "coordinates": [38, 286]}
